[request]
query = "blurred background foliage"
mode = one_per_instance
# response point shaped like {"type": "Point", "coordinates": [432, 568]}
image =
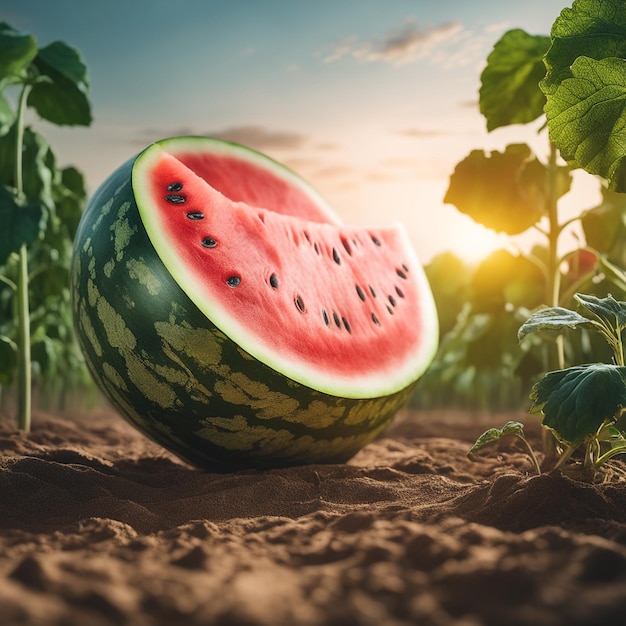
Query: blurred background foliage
{"type": "Point", "coordinates": [480, 363]}
{"type": "Point", "coordinates": [41, 204]}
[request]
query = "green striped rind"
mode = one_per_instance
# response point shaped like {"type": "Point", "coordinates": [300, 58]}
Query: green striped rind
{"type": "Point", "coordinates": [176, 377]}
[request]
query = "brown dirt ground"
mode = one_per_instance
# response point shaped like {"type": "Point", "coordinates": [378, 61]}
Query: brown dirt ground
{"type": "Point", "coordinates": [101, 527]}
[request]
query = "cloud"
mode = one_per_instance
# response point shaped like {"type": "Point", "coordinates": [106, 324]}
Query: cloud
{"type": "Point", "coordinates": [498, 27]}
{"type": "Point", "coordinates": [420, 133]}
{"type": "Point", "coordinates": [255, 136]}
{"type": "Point", "coordinates": [405, 44]}
{"type": "Point", "coordinates": [262, 138]}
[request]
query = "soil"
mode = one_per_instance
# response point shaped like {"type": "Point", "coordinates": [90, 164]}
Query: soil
{"type": "Point", "coordinates": [101, 527]}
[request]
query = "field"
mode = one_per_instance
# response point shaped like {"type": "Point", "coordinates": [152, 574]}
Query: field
{"type": "Point", "coordinates": [101, 527]}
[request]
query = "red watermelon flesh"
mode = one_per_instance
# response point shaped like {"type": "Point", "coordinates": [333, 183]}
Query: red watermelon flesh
{"type": "Point", "coordinates": [242, 180]}
{"type": "Point", "coordinates": [346, 311]}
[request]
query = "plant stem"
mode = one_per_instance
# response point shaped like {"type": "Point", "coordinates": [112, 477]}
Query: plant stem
{"type": "Point", "coordinates": [531, 453]}
{"type": "Point", "coordinates": [553, 285]}
{"type": "Point", "coordinates": [23, 313]}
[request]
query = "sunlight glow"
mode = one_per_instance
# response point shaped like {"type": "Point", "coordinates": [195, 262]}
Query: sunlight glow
{"type": "Point", "coordinates": [474, 242]}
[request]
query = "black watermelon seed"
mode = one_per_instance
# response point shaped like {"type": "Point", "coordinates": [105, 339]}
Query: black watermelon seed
{"type": "Point", "coordinates": [176, 198]}
{"type": "Point", "coordinates": [325, 316]}
{"type": "Point", "coordinates": [233, 281]}
{"type": "Point", "coordinates": [375, 319]}
{"type": "Point", "coordinates": [336, 257]}
{"type": "Point", "coordinates": [299, 304]}
{"type": "Point", "coordinates": [346, 245]}
{"type": "Point", "coordinates": [195, 215]}
{"type": "Point", "coordinates": [400, 292]}
{"type": "Point", "coordinates": [392, 301]}
{"type": "Point", "coordinates": [346, 324]}
{"type": "Point", "coordinates": [372, 291]}
{"type": "Point", "coordinates": [401, 274]}
{"type": "Point", "coordinates": [177, 186]}
{"type": "Point", "coordinates": [316, 248]}
{"type": "Point", "coordinates": [360, 292]}
{"type": "Point", "coordinates": [209, 242]}
{"type": "Point", "coordinates": [337, 320]}
{"type": "Point", "coordinates": [389, 310]}
{"type": "Point", "coordinates": [376, 241]}
{"type": "Point", "coordinates": [274, 281]}
{"type": "Point", "coordinates": [405, 268]}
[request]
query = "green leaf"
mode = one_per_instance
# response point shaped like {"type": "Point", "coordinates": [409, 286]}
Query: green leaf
{"type": "Point", "coordinates": [7, 116]}
{"type": "Point", "coordinates": [608, 310]}
{"type": "Point", "coordinates": [585, 85]}
{"type": "Point", "coordinates": [613, 273]}
{"type": "Point", "coordinates": [587, 118]}
{"type": "Point", "coordinates": [74, 181]}
{"type": "Point", "coordinates": [62, 97]}
{"type": "Point", "coordinates": [503, 191]}
{"type": "Point", "coordinates": [449, 278]}
{"type": "Point", "coordinates": [590, 28]}
{"type": "Point", "coordinates": [553, 320]}
{"type": "Point", "coordinates": [605, 226]}
{"type": "Point", "coordinates": [69, 196]}
{"type": "Point", "coordinates": [17, 50]}
{"type": "Point", "coordinates": [18, 224]}
{"type": "Point", "coordinates": [502, 279]}
{"type": "Point", "coordinates": [8, 360]}
{"type": "Point", "coordinates": [64, 60]}
{"type": "Point", "coordinates": [39, 165]}
{"type": "Point", "coordinates": [509, 92]}
{"type": "Point", "coordinates": [495, 434]}
{"type": "Point", "coordinates": [576, 401]}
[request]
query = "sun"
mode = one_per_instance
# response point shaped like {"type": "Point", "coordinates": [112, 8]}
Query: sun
{"type": "Point", "coordinates": [472, 242]}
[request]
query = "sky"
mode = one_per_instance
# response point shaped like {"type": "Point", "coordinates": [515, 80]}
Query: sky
{"type": "Point", "coordinates": [373, 102]}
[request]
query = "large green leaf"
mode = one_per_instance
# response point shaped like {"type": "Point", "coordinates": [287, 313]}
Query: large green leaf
{"type": "Point", "coordinates": [17, 50]}
{"type": "Point", "coordinates": [509, 92]}
{"type": "Point", "coordinates": [590, 28]}
{"type": "Point", "coordinates": [585, 85]}
{"type": "Point", "coordinates": [18, 224]}
{"type": "Point", "coordinates": [587, 118]}
{"type": "Point", "coordinates": [61, 97]}
{"type": "Point", "coordinates": [576, 401]}
{"type": "Point", "coordinates": [492, 191]}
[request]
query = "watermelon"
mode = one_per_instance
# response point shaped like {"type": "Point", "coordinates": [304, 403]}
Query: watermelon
{"type": "Point", "coordinates": [226, 312]}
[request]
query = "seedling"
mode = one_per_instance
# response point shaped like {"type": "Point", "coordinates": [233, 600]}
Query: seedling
{"type": "Point", "coordinates": [581, 405]}
{"type": "Point", "coordinates": [491, 436]}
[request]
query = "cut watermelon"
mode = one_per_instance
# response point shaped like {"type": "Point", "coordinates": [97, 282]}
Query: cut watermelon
{"type": "Point", "coordinates": [225, 311]}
